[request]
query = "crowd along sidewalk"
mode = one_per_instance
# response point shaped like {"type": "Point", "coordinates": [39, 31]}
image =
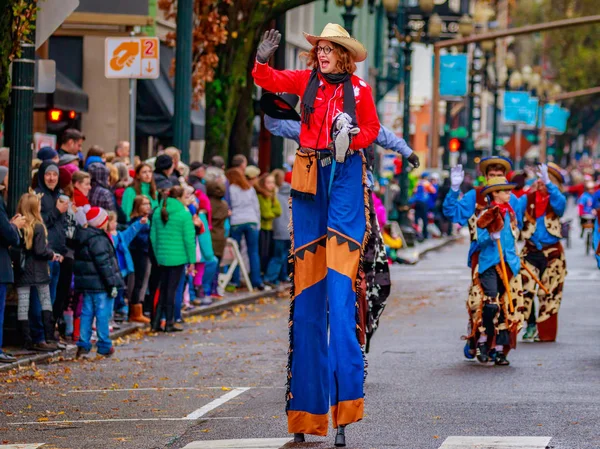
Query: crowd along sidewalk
{"type": "Point", "coordinates": [26, 358]}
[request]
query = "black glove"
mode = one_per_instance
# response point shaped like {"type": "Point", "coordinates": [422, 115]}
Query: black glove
{"type": "Point", "coordinates": [267, 47]}
{"type": "Point", "coordinates": [414, 160]}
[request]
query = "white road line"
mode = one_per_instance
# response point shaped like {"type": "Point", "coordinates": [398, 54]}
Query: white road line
{"type": "Point", "coordinates": [250, 443]}
{"type": "Point", "coordinates": [91, 421]}
{"type": "Point", "coordinates": [162, 388]}
{"type": "Point", "coordinates": [21, 446]}
{"type": "Point", "coordinates": [496, 443]}
{"type": "Point", "coordinates": [216, 403]}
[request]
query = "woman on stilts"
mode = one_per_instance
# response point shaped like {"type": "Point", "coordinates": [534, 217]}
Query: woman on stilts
{"type": "Point", "coordinates": [329, 218]}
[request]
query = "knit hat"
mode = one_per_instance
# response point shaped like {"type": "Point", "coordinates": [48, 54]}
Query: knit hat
{"type": "Point", "coordinates": [163, 162]}
{"type": "Point", "coordinates": [65, 177]}
{"type": "Point", "coordinates": [96, 217]}
{"type": "Point", "coordinates": [67, 159]}
{"type": "Point", "coordinates": [52, 168]}
{"type": "Point", "coordinates": [195, 166]}
{"type": "Point", "coordinates": [3, 173]}
{"type": "Point", "coordinates": [46, 153]}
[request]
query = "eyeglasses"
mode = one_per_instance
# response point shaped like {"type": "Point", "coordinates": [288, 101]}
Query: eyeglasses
{"type": "Point", "coordinates": [326, 50]}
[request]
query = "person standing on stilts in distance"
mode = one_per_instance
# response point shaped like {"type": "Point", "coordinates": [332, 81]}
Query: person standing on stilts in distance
{"type": "Point", "coordinates": [329, 229]}
{"type": "Point", "coordinates": [465, 211]}
{"type": "Point", "coordinates": [543, 261]}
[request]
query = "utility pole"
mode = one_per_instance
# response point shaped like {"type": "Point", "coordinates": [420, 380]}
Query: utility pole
{"type": "Point", "coordinates": [19, 124]}
{"type": "Point", "coordinates": [183, 79]}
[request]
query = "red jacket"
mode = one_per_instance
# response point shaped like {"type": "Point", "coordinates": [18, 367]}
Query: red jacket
{"type": "Point", "coordinates": [328, 104]}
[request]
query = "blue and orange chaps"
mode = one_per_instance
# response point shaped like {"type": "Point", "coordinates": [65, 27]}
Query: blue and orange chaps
{"type": "Point", "coordinates": [326, 365]}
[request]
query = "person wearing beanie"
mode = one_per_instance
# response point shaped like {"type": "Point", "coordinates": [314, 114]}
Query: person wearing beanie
{"type": "Point", "coordinates": [252, 173]}
{"type": "Point", "coordinates": [54, 210]}
{"type": "Point", "coordinates": [196, 177]}
{"type": "Point", "coordinates": [101, 195]}
{"type": "Point", "coordinates": [163, 169]}
{"type": "Point", "coordinates": [48, 154]}
{"type": "Point", "coordinates": [98, 278]}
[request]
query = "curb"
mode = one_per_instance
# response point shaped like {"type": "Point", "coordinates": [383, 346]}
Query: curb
{"type": "Point", "coordinates": [440, 245]}
{"type": "Point", "coordinates": [130, 328]}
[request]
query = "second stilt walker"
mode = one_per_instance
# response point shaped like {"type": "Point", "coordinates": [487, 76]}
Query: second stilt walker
{"type": "Point", "coordinates": [329, 222]}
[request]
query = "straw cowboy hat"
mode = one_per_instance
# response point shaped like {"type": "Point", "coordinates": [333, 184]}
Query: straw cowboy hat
{"type": "Point", "coordinates": [555, 173]}
{"type": "Point", "coordinates": [493, 160]}
{"type": "Point", "coordinates": [497, 184]}
{"type": "Point", "coordinates": [337, 34]}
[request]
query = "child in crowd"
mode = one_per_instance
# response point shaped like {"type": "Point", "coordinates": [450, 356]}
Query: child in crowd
{"type": "Point", "coordinates": [392, 242]}
{"type": "Point", "coordinates": [277, 269]}
{"type": "Point", "coordinates": [121, 240]}
{"type": "Point", "coordinates": [269, 210]}
{"type": "Point", "coordinates": [33, 273]}
{"type": "Point", "coordinates": [98, 277]}
{"type": "Point", "coordinates": [220, 214]}
{"type": "Point", "coordinates": [139, 250]}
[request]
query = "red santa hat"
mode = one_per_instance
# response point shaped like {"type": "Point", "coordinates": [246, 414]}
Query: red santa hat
{"type": "Point", "coordinates": [96, 217]}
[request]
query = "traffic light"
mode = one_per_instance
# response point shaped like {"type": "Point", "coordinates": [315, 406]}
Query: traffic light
{"type": "Point", "coordinates": [455, 145]}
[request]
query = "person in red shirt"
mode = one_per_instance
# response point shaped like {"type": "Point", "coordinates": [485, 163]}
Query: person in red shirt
{"type": "Point", "coordinates": [329, 228]}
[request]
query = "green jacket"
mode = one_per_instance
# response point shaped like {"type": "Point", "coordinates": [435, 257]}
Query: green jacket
{"type": "Point", "coordinates": [174, 243]}
{"type": "Point", "coordinates": [130, 194]}
{"type": "Point", "coordinates": [269, 210]}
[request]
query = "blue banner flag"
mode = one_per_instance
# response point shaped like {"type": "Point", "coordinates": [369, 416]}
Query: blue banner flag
{"type": "Point", "coordinates": [516, 107]}
{"type": "Point", "coordinates": [453, 75]}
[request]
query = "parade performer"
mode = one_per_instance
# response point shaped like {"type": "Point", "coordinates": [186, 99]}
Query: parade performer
{"type": "Point", "coordinates": [281, 119]}
{"type": "Point", "coordinates": [497, 318]}
{"type": "Point", "coordinates": [543, 258]}
{"type": "Point", "coordinates": [465, 211]}
{"type": "Point", "coordinates": [329, 229]}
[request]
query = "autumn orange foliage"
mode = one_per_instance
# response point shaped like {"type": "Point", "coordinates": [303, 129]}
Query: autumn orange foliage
{"type": "Point", "coordinates": [210, 31]}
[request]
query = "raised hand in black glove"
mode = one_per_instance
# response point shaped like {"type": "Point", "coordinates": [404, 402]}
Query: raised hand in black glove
{"type": "Point", "coordinates": [267, 47]}
{"type": "Point", "coordinates": [414, 160]}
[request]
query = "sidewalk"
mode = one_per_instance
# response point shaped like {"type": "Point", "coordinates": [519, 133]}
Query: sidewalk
{"type": "Point", "coordinates": [232, 299]}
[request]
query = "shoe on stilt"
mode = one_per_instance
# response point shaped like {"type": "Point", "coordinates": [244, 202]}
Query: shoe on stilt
{"type": "Point", "coordinates": [298, 438]}
{"type": "Point", "coordinates": [482, 353]}
{"type": "Point", "coordinates": [501, 359]}
{"type": "Point", "coordinates": [530, 332]}
{"type": "Point", "coordinates": [340, 438]}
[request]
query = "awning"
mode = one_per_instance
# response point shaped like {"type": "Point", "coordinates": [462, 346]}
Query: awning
{"type": "Point", "coordinates": [156, 104]}
{"type": "Point", "coordinates": [68, 96]}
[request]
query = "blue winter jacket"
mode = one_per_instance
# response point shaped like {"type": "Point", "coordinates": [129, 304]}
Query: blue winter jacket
{"type": "Point", "coordinates": [121, 242]}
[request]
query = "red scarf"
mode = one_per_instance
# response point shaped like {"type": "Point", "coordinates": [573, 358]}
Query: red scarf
{"type": "Point", "coordinates": [541, 203]}
{"type": "Point", "coordinates": [504, 208]}
{"type": "Point", "coordinates": [79, 198]}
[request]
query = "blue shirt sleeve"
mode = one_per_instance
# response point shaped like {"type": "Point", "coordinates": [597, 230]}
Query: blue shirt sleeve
{"type": "Point", "coordinates": [289, 129]}
{"type": "Point", "coordinates": [459, 211]}
{"type": "Point", "coordinates": [519, 205]}
{"type": "Point", "coordinates": [557, 200]}
{"type": "Point", "coordinates": [388, 140]}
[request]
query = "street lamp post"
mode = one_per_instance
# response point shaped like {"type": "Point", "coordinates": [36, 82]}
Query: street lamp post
{"type": "Point", "coordinates": [349, 15]}
{"type": "Point", "coordinates": [397, 9]}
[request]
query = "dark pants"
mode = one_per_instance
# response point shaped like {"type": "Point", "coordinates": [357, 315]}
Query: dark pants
{"type": "Point", "coordinates": [265, 246]}
{"type": "Point", "coordinates": [277, 270]}
{"type": "Point", "coordinates": [492, 286]}
{"type": "Point", "coordinates": [63, 289]}
{"type": "Point", "coordinates": [2, 305]}
{"type": "Point", "coordinates": [170, 277]}
{"type": "Point", "coordinates": [421, 214]}
{"type": "Point", "coordinates": [142, 269]}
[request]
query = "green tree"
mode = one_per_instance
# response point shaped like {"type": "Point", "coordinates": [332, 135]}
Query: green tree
{"type": "Point", "coordinates": [226, 35]}
{"type": "Point", "coordinates": [15, 26]}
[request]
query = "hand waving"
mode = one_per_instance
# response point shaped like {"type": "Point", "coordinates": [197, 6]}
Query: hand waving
{"type": "Point", "coordinates": [457, 176]}
{"type": "Point", "coordinates": [267, 47]}
{"type": "Point", "coordinates": [543, 173]}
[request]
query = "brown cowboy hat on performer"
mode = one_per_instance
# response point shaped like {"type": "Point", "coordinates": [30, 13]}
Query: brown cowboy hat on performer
{"type": "Point", "coordinates": [338, 35]}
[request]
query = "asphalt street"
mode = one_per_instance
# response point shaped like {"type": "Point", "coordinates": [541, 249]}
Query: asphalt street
{"type": "Point", "coordinates": [224, 379]}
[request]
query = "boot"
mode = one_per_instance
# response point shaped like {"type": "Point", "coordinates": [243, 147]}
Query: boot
{"type": "Point", "coordinates": [298, 438]}
{"type": "Point", "coordinates": [49, 327]}
{"type": "Point", "coordinates": [172, 327]}
{"type": "Point", "coordinates": [23, 326]}
{"type": "Point", "coordinates": [340, 438]}
{"type": "Point", "coordinates": [136, 314]}
{"type": "Point", "coordinates": [157, 318]}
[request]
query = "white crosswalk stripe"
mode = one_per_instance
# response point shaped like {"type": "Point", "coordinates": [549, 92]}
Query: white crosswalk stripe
{"type": "Point", "coordinates": [251, 443]}
{"type": "Point", "coordinates": [21, 446]}
{"type": "Point", "coordinates": [496, 443]}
